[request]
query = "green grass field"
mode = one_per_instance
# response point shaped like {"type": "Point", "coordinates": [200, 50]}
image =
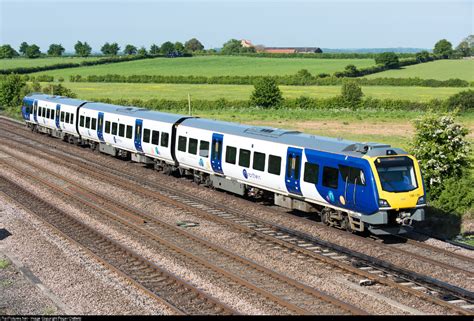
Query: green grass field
{"type": "Point", "coordinates": [40, 62]}
{"type": "Point", "coordinates": [440, 69]}
{"type": "Point", "coordinates": [215, 66]}
{"type": "Point", "coordinates": [242, 92]}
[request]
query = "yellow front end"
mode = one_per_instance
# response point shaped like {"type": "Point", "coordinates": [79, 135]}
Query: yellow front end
{"type": "Point", "coordinates": [394, 193]}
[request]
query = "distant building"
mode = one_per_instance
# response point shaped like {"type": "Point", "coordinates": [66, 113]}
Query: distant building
{"type": "Point", "coordinates": [290, 50]}
{"type": "Point", "coordinates": [286, 50]}
{"type": "Point", "coordinates": [246, 43]}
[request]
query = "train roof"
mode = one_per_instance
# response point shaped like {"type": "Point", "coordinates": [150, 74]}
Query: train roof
{"type": "Point", "coordinates": [56, 99]}
{"type": "Point", "coordinates": [137, 112]}
{"type": "Point", "coordinates": [295, 138]}
{"type": "Point", "coordinates": [277, 135]}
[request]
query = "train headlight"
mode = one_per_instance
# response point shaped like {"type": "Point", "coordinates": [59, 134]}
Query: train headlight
{"type": "Point", "coordinates": [421, 200]}
{"type": "Point", "coordinates": [383, 203]}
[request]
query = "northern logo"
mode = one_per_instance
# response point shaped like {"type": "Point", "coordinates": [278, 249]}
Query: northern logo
{"type": "Point", "coordinates": [244, 172]}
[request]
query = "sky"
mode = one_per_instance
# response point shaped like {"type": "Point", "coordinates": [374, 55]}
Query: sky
{"type": "Point", "coordinates": [325, 24]}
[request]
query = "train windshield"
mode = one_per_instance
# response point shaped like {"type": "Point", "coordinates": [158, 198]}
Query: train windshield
{"type": "Point", "coordinates": [396, 174]}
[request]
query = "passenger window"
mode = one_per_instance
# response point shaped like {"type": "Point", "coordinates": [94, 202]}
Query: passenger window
{"type": "Point", "coordinates": [274, 164]}
{"type": "Point", "coordinates": [62, 117]}
{"type": "Point", "coordinates": [88, 122]}
{"type": "Point", "coordinates": [107, 127]}
{"type": "Point", "coordinates": [182, 143]}
{"type": "Point", "coordinates": [67, 117]}
{"type": "Point", "coordinates": [129, 131]}
{"type": "Point", "coordinates": [155, 137]}
{"type": "Point", "coordinates": [121, 130]}
{"type": "Point", "coordinates": [352, 175]}
{"type": "Point", "coordinates": [72, 118]}
{"type": "Point", "coordinates": [230, 155]}
{"type": "Point", "coordinates": [204, 149]}
{"type": "Point", "coordinates": [146, 135]}
{"type": "Point", "coordinates": [259, 161]}
{"type": "Point", "coordinates": [311, 172]}
{"type": "Point", "coordinates": [81, 121]}
{"type": "Point", "coordinates": [193, 146]}
{"type": "Point", "coordinates": [39, 111]}
{"type": "Point", "coordinates": [330, 177]}
{"type": "Point", "coordinates": [52, 114]}
{"type": "Point", "coordinates": [48, 114]}
{"type": "Point", "coordinates": [244, 158]}
{"type": "Point", "coordinates": [94, 124]}
{"type": "Point", "coordinates": [114, 128]}
{"type": "Point", "coordinates": [164, 139]}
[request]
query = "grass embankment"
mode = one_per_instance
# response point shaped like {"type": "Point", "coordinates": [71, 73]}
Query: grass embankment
{"type": "Point", "coordinates": [215, 66]}
{"type": "Point", "coordinates": [439, 69]}
{"type": "Point", "coordinates": [242, 92]}
{"type": "Point", "coordinates": [40, 62]}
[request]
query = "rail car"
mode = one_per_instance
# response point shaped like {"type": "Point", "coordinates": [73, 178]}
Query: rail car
{"type": "Point", "coordinates": [354, 186]}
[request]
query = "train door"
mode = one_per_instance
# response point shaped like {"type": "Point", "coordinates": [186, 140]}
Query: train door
{"type": "Point", "coordinates": [354, 187]}
{"type": "Point", "coordinates": [100, 127]}
{"type": "Point", "coordinates": [35, 111]}
{"type": "Point", "coordinates": [293, 170]}
{"type": "Point", "coordinates": [216, 153]}
{"type": "Point", "coordinates": [56, 118]}
{"type": "Point", "coordinates": [138, 134]}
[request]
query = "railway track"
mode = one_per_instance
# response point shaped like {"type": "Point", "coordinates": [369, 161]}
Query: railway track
{"type": "Point", "coordinates": [435, 291]}
{"type": "Point", "coordinates": [287, 293]}
{"type": "Point", "coordinates": [173, 292]}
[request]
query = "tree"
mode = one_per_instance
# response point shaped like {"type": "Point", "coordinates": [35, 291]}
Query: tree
{"type": "Point", "coordinates": [266, 93]}
{"type": "Point", "coordinates": [82, 49]}
{"type": "Point", "coordinates": [154, 49]}
{"type": "Point", "coordinates": [24, 45]}
{"type": "Point", "coordinates": [179, 47]}
{"type": "Point", "coordinates": [193, 45]}
{"type": "Point", "coordinates": [423, 56]}
{"type": "Point", "coordinates": [351, 71]}
{"type": "Point", "coordinates": [56, 50]}
{"type": "Point", "coordinates": [114, 49]}
{"type": "Point", "coordinates": [351, 93]}
{"type": "Point", "coordinates": [464, 49]}
{"type": "Point", "coordinates": [441, 148]}
{"type": "Point", "coordinates": [142, 51]}
{"type": "Point", "coordinates": [105, 49]}
{"type": "Point", "coordinates": [130, 50]}
{"type": "Point", "coordinates": [231, 47]}
{"type": "Point", "coordinates": [11, 89]}
{"type": "Point", "coordinates": [33, 51]}
{"type": "Point", "coordinates": [6, 51]}
{"type": "Point", "coordinates": [388, 59]}
{"type": "Point", "coordinates": [318, 50]}
{"type": "Point", "coordinates": [167, 48]}
{"type": "Point", "coordinates": [443, 48]}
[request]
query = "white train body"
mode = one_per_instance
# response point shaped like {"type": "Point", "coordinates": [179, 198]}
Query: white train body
{"type": "Point", "coordinates": [344, 181]}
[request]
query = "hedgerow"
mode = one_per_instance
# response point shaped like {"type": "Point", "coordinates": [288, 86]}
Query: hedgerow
{"type": "Point", "coordinates": [108, 60]}
{"type": "Point", "coordinates": [299, 79]}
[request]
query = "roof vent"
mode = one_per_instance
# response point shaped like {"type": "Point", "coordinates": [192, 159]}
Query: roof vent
{"type": "Point", "coordinates": [271, 132]}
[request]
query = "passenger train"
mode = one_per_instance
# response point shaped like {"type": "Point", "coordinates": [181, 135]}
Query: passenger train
{"type": "Point", "coordinates": [354, 186]}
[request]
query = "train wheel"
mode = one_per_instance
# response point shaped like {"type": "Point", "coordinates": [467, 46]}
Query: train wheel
{"type": "Point", "coordinates": [325, 217]}
{"type": "Point", "coordinates": [346, 224]}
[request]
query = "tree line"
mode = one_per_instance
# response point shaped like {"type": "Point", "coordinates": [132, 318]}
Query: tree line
{"type": "Point", "coordinates": [83, 49]}
{"type": "Point", "coordinates": [443, 48]}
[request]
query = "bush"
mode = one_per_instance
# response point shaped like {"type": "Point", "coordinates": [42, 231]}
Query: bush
{"type": "Point", "coordinates": [12, 90]}
{"type": "Point", "coordinates": [351, 93]}
{"type": "Point", "coordinates": [441, 148]}
{"type": "Point", "coordinates": [456, 196]}
{"type": "Point", "coordinates": [59, 90]}
{"type": "Point", "coordinates": [388, 59]}
{"type": "Point", "coordinates": [464, 101]}
{"type": "Point", "coordinates": [266, 93]}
